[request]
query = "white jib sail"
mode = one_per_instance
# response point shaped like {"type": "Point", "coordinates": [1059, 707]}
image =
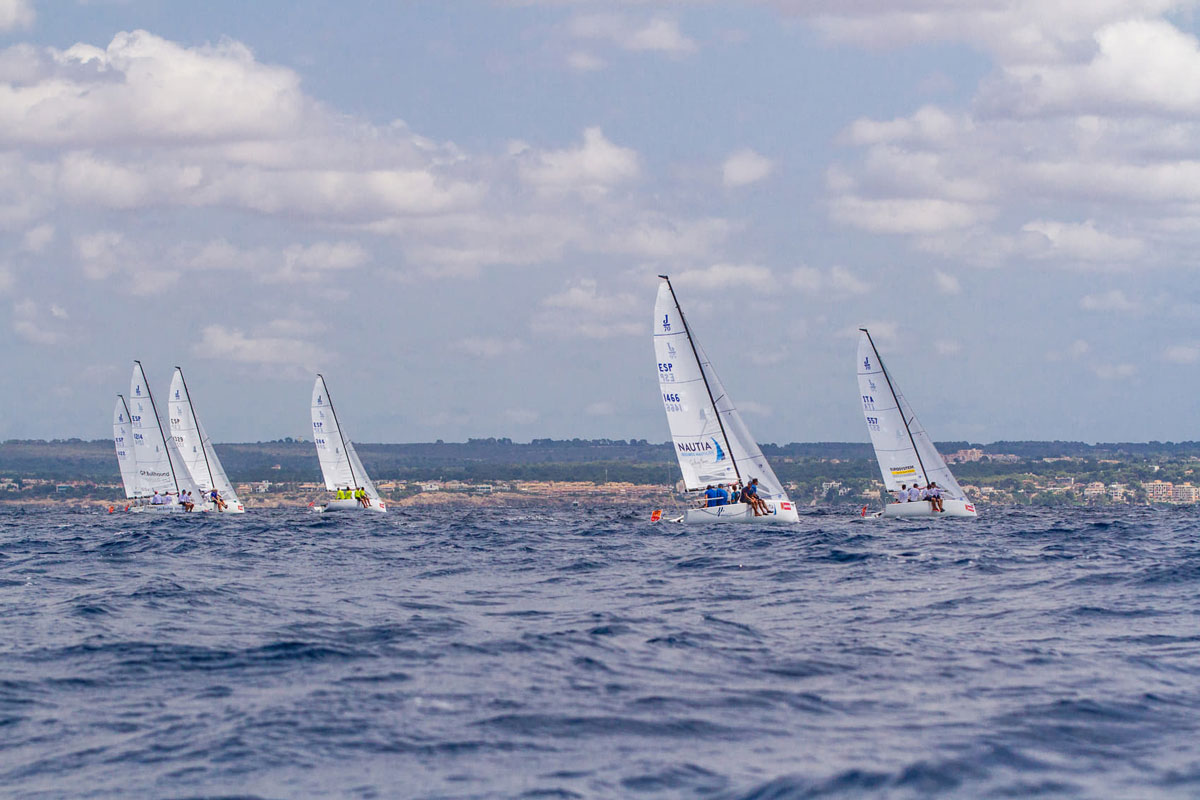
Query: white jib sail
{"type": "Point", "coordinates": [159, 464]}
{"type": "Point", "coordinates": [194, 444]}
{"type": "Point", "coordinates": [905, 452]}
{"type": "Point", "coordinates": [711, 441]}
{"type": "Point", "coordinates": [123, 439]}
{"type": "Point", "coordinates": [340, 464]}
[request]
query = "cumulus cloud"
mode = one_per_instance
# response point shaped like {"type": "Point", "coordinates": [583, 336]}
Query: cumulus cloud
{"type": "Point", "coordinates": [837, 280]}
{"type": "Point", "coordinates": [1112, 300]}
{"type": "Point", "coordinates": [1182, 353]}
{"type": "Point", "coordinates": [1114, 372]}
{"type": "Point", "coordinates": [594, 166]}
{"type": "Point", "coordinates": [745, 167]}
{"type": "Point", "coordinates": [586, 310]}
{"type": "Point", "coordinates": [1089, 104]}
{"type": "Point", "coordinates": [16, 14]}
{"type": "Point", "coordinates": [946, 283]}
{"type": "Point", "coordinates": [37, 238]}
{"type": "Point", "coordinates": [488, 347]}
{"type": "Point", "coordinates": [727, 277]}
{"type": "Point", "coordinates": [1072, 352]}
{"type": "Point", "coordinates": [35, 324]}
{"type": "Point", "coordinates": [583, 61]}
{"type": "Point", "coordinates": [659, 34]}
{"type": "Point", "coordinates": [233, 345]}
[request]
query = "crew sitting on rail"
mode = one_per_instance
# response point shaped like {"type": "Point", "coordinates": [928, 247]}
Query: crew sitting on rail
{"type": "Point", "coordinates": [711, 496]}
{"type": "Point", "coordinates": [750, 495]}
{"type": "Point", "coordinates": [935, 497]}
{"type": "Point", "coordinates": [901, 494]}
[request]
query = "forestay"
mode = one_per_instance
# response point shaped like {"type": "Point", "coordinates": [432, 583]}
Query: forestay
{"type": "Point", "coordinates": [194, 444]}
{"type": "Point", "coordinates": [711, 441]}
{"type": "Point", "coordinates": [905, 452]}
{"type": "Point", "coordinates": [160, 467]}
{"type": "Point", "coordinates": [340, 464]}
{"type": "Point", "coordinates": [123, 439]}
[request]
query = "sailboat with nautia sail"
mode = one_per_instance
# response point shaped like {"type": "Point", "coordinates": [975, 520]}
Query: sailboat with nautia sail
{"type": "Point", "coordinates": [711, 441]}
{"type": "Point", "coordinates": [196, 448]}
{"type": "Point", "coordinates": [340, 465]}
{"type": "Point", "coordinates": [904, 450]}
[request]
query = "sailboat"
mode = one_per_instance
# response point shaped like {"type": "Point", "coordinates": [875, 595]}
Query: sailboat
{"type": "Point", "coordinates": [160, 467]}
{"type": "Point", "coordinates": [712, 443]}
{"type": "Point", "coordinates": [196, 448]}
{"type": "Point", "coordinates": [905, 452]}
{"type": "Point", "coordinates": [123, 439]}
{"type": "Point", "coordinates": [340, 465]}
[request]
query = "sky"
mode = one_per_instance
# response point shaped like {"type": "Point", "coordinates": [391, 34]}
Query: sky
{"type": "Point", "coordinates": [457, 212]}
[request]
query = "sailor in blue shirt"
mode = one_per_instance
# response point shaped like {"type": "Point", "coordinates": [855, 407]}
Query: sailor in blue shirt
{"type": "Point", "coordinates": [712, 496]}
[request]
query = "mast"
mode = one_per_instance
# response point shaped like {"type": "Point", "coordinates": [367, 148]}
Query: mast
{"type": "Point", "coordinates": [342, 436]}
{"type": "Point", "coordinates": [703, 377]}
{"type": "Point", "coordinates": [892, 389]}
{"type": "Point", "coordinates": [211, 480]}
{"type": "Point", "coordinates": [158, 419]}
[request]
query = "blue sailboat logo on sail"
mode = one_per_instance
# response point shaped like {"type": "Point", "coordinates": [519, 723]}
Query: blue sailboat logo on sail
{"type": "Point", "coordinates": [720, 452]}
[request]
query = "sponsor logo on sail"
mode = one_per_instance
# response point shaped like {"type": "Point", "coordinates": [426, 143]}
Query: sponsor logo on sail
{"type": "Point", "coordinates": [666, 322]}
{"type": "Point", "coordinates": [907, 471]}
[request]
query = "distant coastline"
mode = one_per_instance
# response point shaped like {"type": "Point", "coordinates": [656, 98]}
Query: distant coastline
{"type": "Point", "coordinates": [619, 472]}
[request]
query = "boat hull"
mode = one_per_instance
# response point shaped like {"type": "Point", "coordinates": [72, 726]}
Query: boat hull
{"type": "Point", "coordinates": [923, 508]}
{"type": "Point", "coordinates": [782, 512]}
{"type": "Point", "coordinates": [350, 505]}
{"type": "Point", "coordinates": [230, 507]}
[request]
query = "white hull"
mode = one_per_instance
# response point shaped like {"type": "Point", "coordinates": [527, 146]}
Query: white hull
{"type": "Point", "coordinates": [164, 508]}
{"type": "Point", "coordinates": [230, 508]}
{"type": "Point", "coordinates": [781, 512]}
{"type": "Point", "coordinates": [350, 505]}
{"type": "Point", "coordinates": [923, 508]}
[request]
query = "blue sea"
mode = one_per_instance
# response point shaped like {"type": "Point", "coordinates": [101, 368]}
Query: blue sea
{"type": "Point", "coordinates": [557, 654]}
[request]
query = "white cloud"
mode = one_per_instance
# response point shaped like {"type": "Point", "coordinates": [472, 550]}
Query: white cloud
{"type": "Point", "coordinates": [582, 61]}
{"type": "Point", "coordinates": [881, 331]}
{"type": "Point", "coordinates": [1073, 352]}
{"type": "Point", "coordinates": [30, 322]}
{"type": "Point", "coordinates": [727, 277]}
{"type": "Point", "coordinates": [594, 166]}
{"type": "Point", "coordinates": [745, 167]}
{"type": "Point", "coordinates": [583, 309]}
{"type": "Point", "coordinates": [36, 239]}
{"type": "Point", "coordinates": [1113, 372]}
{"type": "Point", "coordinates": [233, 345]}
{"type": "Point", "coordinates": [1182, 353]}
{"type": "Point", "coordinates": [944, 347]}
{"type": "Point", "coordinates": [1084, 242]}
{"type": "Point", "coordinates": [488, 347]}
{"type": "Point", "coordinates": [904, 215]}
{"type": "Point", "coordinates": [601, 408]}
{"type": "Point", "coordinates": [318, 261]}
{"type": "Point", "coordinates": [521, 416]}
{"type": "Point", "coordinates": [16, 14]}
{"type": "Point", "coordinates": [1112, 300]}
{"type": "Point", "coordinates": [659, 34]}
{"type": "Point", "coordinates": [838, 280]}
{"type": "Point", "coordinates": [946, 283]}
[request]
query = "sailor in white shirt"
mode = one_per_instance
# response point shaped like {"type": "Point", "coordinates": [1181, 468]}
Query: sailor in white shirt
{"type": "Point", "coordinates": [902, 494]}
{"type": "Point", "coordinates": [914, 494]}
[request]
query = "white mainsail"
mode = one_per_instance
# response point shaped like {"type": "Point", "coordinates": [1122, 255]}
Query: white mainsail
{"type": "Point", "coordinates": [123, 439]}
{"type": "Point", "coordinates": [340, 464]}
{"type": "Point", "coordinates": [711, 441]}
{"type": "Point", "coordinates": [159, 464]}
{"type": "Point", "coordinates": [905, 452]}
{"type": "Point", "coordinates": [195, 446]}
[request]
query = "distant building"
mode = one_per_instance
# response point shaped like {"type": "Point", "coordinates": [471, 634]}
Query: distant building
{"type": "Point", "coordinates": [1116, 492]}
{"type": "Point", "coordinates": [1186, 493]}
{"type": "Point", "coordinates": [1094, 490]}
{"type": "Point", "coordinates": [1159, 491]}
